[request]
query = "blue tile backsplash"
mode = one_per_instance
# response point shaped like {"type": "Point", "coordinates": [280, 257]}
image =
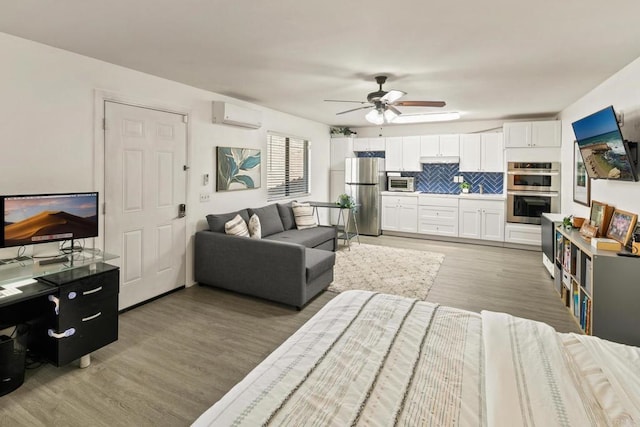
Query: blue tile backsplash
{"type": "Point", "coordinates": [370, 154]}
{"type": "Point", "coordinates": [438, 178]}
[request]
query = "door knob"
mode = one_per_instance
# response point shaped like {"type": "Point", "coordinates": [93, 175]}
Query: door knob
{"type": "Point", "coordinates": [182, 210]}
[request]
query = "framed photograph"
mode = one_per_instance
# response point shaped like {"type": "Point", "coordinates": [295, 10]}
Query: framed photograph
{"type": "Point", "coordinates": [600, 216]}
{"type": "Point", "coordinates": [237, 168]}
{"type": "Point", "coordinates": [621, 226]}
{"type": "Point", "coordinates": [581, 181]}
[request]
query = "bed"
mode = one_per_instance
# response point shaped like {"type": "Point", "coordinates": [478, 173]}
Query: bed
{"type": "Point", "coordinates": [381, 360]}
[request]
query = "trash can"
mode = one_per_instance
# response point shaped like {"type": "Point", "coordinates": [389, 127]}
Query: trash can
{"type": "Point", "coordinates": [13, 353]}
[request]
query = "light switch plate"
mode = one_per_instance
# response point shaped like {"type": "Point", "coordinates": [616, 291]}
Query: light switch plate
{"type": "Point", "coordinates": [205, 197]}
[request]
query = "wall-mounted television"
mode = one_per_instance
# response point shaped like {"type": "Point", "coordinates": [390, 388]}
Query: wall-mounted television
{"type": "Point", "coordinates": [605, 153]}
{"type": "Point", "coordinates": [41, 218]}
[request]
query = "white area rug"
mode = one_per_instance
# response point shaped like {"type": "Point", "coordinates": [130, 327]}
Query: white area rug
{"type": "Point", "coordinates": [387, 270]}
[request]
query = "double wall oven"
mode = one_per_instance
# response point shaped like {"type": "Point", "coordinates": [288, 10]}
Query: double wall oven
{"type": "Point", "coordinates": [533, 188]}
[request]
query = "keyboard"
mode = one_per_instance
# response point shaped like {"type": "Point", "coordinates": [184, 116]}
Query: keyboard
{"type": "Point", "coordinates": [19, 283]}
{"type": "Point", "coordinates": [4, 292]}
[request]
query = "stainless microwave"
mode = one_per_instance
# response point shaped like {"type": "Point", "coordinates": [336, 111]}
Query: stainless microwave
{"type": "Point", "coordinates": [401, 183]}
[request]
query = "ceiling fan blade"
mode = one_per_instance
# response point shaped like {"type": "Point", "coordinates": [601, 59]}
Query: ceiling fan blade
{"type": "Point", "coordinates": [394, 109]}
{"type": "Point", "coordinates": [340, 100]}
{"type": "Point", "coordinates": [354, 109]}
{"type": "Point", "coordinates": [392, 96]}
{"type": "Point", "coordinates": [420, 103]}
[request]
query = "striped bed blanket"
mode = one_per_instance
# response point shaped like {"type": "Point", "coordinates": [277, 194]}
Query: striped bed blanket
{"type": "Point", "coordinates": [381, 360]}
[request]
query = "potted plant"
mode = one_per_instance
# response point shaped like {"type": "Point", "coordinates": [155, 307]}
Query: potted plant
{"type": "Point", "coordinates": [345, 201]}
{"type": "Point", "coordinates": [465, 187]}
{"type": "Point", "coordinates": [342, 131]}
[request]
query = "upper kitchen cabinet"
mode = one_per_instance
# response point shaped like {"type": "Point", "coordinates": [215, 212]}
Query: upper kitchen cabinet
{"type": "Point", "coordinates": [533, 134]}
{"type": "Point", "coordinates": [439, 145]}
{"type": "Point", "coordinates": [403, 154]}
{"type": "Point", "coordinates": [341, 148]}
{"type": "Point", "coordinates": [482, 152]}
{"type": "Point", "coordinates": [369, 144]}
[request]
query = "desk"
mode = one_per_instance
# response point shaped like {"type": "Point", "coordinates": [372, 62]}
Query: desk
{"type": "Point", "coordinates": [72, 308]}
{"type": "Point", "coordinates": [342, 234]}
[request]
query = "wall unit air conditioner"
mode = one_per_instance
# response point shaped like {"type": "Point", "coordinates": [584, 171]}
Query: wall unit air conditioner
{"type": "Point", "coordinates": [229, 114]}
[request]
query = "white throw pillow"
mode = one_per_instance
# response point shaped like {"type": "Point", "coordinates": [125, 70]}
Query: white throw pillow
{"type": "Point", "coordinates": [254, 227]}
{"type": "Point", "coordinates": [236, 227]}
{"type": "Point", "coordinates": [303, 214]}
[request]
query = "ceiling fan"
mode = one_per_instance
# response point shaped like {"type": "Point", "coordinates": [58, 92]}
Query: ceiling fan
{"type": "Point", "coordinates": [384, 104]}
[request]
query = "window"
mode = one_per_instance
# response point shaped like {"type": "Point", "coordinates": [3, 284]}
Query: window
{"type": "Point", "coordinates": [287, 167]}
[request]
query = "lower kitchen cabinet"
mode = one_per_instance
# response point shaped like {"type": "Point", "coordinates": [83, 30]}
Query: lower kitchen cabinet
{"type": "Point", "coordinates": [83, 315]}
{"type": "Point", "coordinates": [400, 213]}
{"type": "Point", "coordinates": [481, 219]}
{"type": "Point", "coordinates": [438, 215]}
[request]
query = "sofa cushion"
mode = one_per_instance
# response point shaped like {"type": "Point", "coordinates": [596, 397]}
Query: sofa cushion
{"type": "Point", "coordinates": [270, 221]}
{"type": "Point", "coordinates": [254, 227]}
{"type": "Point", "coordinates": [236, 227]}
{"type": "Point", "coordinates": [217, 221]}
{"type": "Point", "coordinates": [309, 237]}
{"type": "Point", "coordinates": [286, 215]}
{"type": "Point", "coordinates": [303, 214]}
{"type": "Point", "coordinates": [317, 262]}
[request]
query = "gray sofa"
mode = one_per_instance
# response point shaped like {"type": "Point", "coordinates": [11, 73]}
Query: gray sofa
{"type": "Point", "coordinates": [287, 265]}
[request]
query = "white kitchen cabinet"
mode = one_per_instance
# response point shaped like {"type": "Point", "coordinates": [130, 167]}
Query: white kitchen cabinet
{"type": "Point", "coordinates": [400, 213]}
{"type": "Point", "coordinates": [533, 134]}
{"type": "Point", "coordinates": [482, 152]}
{"type": "Point", "coordinates": [341, 148]}
{"type": "Point", "coordinates": [481, 219]}
{"type": "Point", "coordinates": [403, 154]}
{"type": "Point", "coordinates": [393, 154]}
{"type": "Point", "coordinates": [546, 133]}
{"type": "Point", "coordinates": [492, 152]}
{"type": "Point", "coordinates": [438, 215]}
{"type": "Point", "coordinates": [369, 144]}
{"type": "Point", "coordinates": [470, 157]}
{"type": "Point", "coordinates": [439, 145]}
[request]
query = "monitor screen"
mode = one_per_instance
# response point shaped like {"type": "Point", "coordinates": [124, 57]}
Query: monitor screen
{"type": "Point", "coordinates": [604, 152]}
{"type": "Point", "coordinates": [42, 218]}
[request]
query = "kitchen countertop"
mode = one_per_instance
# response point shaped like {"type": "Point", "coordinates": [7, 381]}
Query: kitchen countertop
{"type": "Point", "coordinates": [472, 196]}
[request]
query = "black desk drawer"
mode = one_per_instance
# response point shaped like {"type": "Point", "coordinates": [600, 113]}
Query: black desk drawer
{"type": "Point", "coordinates": [89, 289]}
{"type": "Point", "coordinates": [84, 313]}
{"type": "Point", "coordinates": [85, 338]}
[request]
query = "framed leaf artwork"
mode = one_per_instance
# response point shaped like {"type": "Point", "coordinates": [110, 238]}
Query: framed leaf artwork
{"type": "Point", "coordinates": [237, 168]}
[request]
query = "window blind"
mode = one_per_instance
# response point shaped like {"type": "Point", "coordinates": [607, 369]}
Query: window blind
{"type": "Point", "coordinates": [287, 167]}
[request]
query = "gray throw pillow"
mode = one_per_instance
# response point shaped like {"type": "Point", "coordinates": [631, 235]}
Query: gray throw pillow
{"type": "Point", "coordinates": [270, 221]}
{"type": "Point", "coordinates": [217, 221]}
{"type": "Point", "coordinates": [286, 215]}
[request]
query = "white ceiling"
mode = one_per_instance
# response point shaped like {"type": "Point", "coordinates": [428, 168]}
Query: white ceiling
{"type": "Point", "coordinates": [491, 59]}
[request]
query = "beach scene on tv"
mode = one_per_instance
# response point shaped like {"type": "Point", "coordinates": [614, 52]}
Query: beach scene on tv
{"type": "Point", "coordinates": [36, 219]}
{"type": "Point", "coordinates": [605, 156]}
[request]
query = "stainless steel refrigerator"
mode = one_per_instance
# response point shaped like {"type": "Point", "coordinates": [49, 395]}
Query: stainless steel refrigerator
{"type": "Point", "coordinates": [364, 180]}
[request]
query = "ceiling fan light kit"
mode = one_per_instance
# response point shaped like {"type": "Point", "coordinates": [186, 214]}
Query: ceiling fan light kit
{"type": "Point", "coordinates": [383, 104]}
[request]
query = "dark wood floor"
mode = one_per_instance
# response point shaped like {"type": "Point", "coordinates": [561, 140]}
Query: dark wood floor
{"type": "Point", "coordinates": [177, 355]}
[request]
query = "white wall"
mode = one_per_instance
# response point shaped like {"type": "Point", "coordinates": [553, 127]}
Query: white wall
{"type": "Point", "coordinates": [47, 128]}
{"type": "Point", "coordinates": [622, 90]}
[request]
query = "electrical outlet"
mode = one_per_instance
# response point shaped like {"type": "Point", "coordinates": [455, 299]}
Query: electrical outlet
{"type": "Point", "coordinates": [205, 197]}
{"type": "Point", "coordinates": [455, 179]}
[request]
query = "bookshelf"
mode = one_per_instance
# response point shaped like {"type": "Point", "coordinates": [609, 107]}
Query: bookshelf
{"type": "Point", "coordinates": [600, 289]}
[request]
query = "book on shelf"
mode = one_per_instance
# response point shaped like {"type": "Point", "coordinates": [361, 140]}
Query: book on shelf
{"type": "Point", "coordinates": [587, 275]}
{"type": "Point", "coordinates": [605, 244]}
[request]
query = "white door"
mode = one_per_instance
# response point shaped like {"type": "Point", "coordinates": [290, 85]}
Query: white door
{"type": "Point", "coordinates": [145, 184]}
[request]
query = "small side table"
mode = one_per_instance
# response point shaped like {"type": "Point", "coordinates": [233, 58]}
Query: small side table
{"type": "Point", "coordinates": [344, 233]}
